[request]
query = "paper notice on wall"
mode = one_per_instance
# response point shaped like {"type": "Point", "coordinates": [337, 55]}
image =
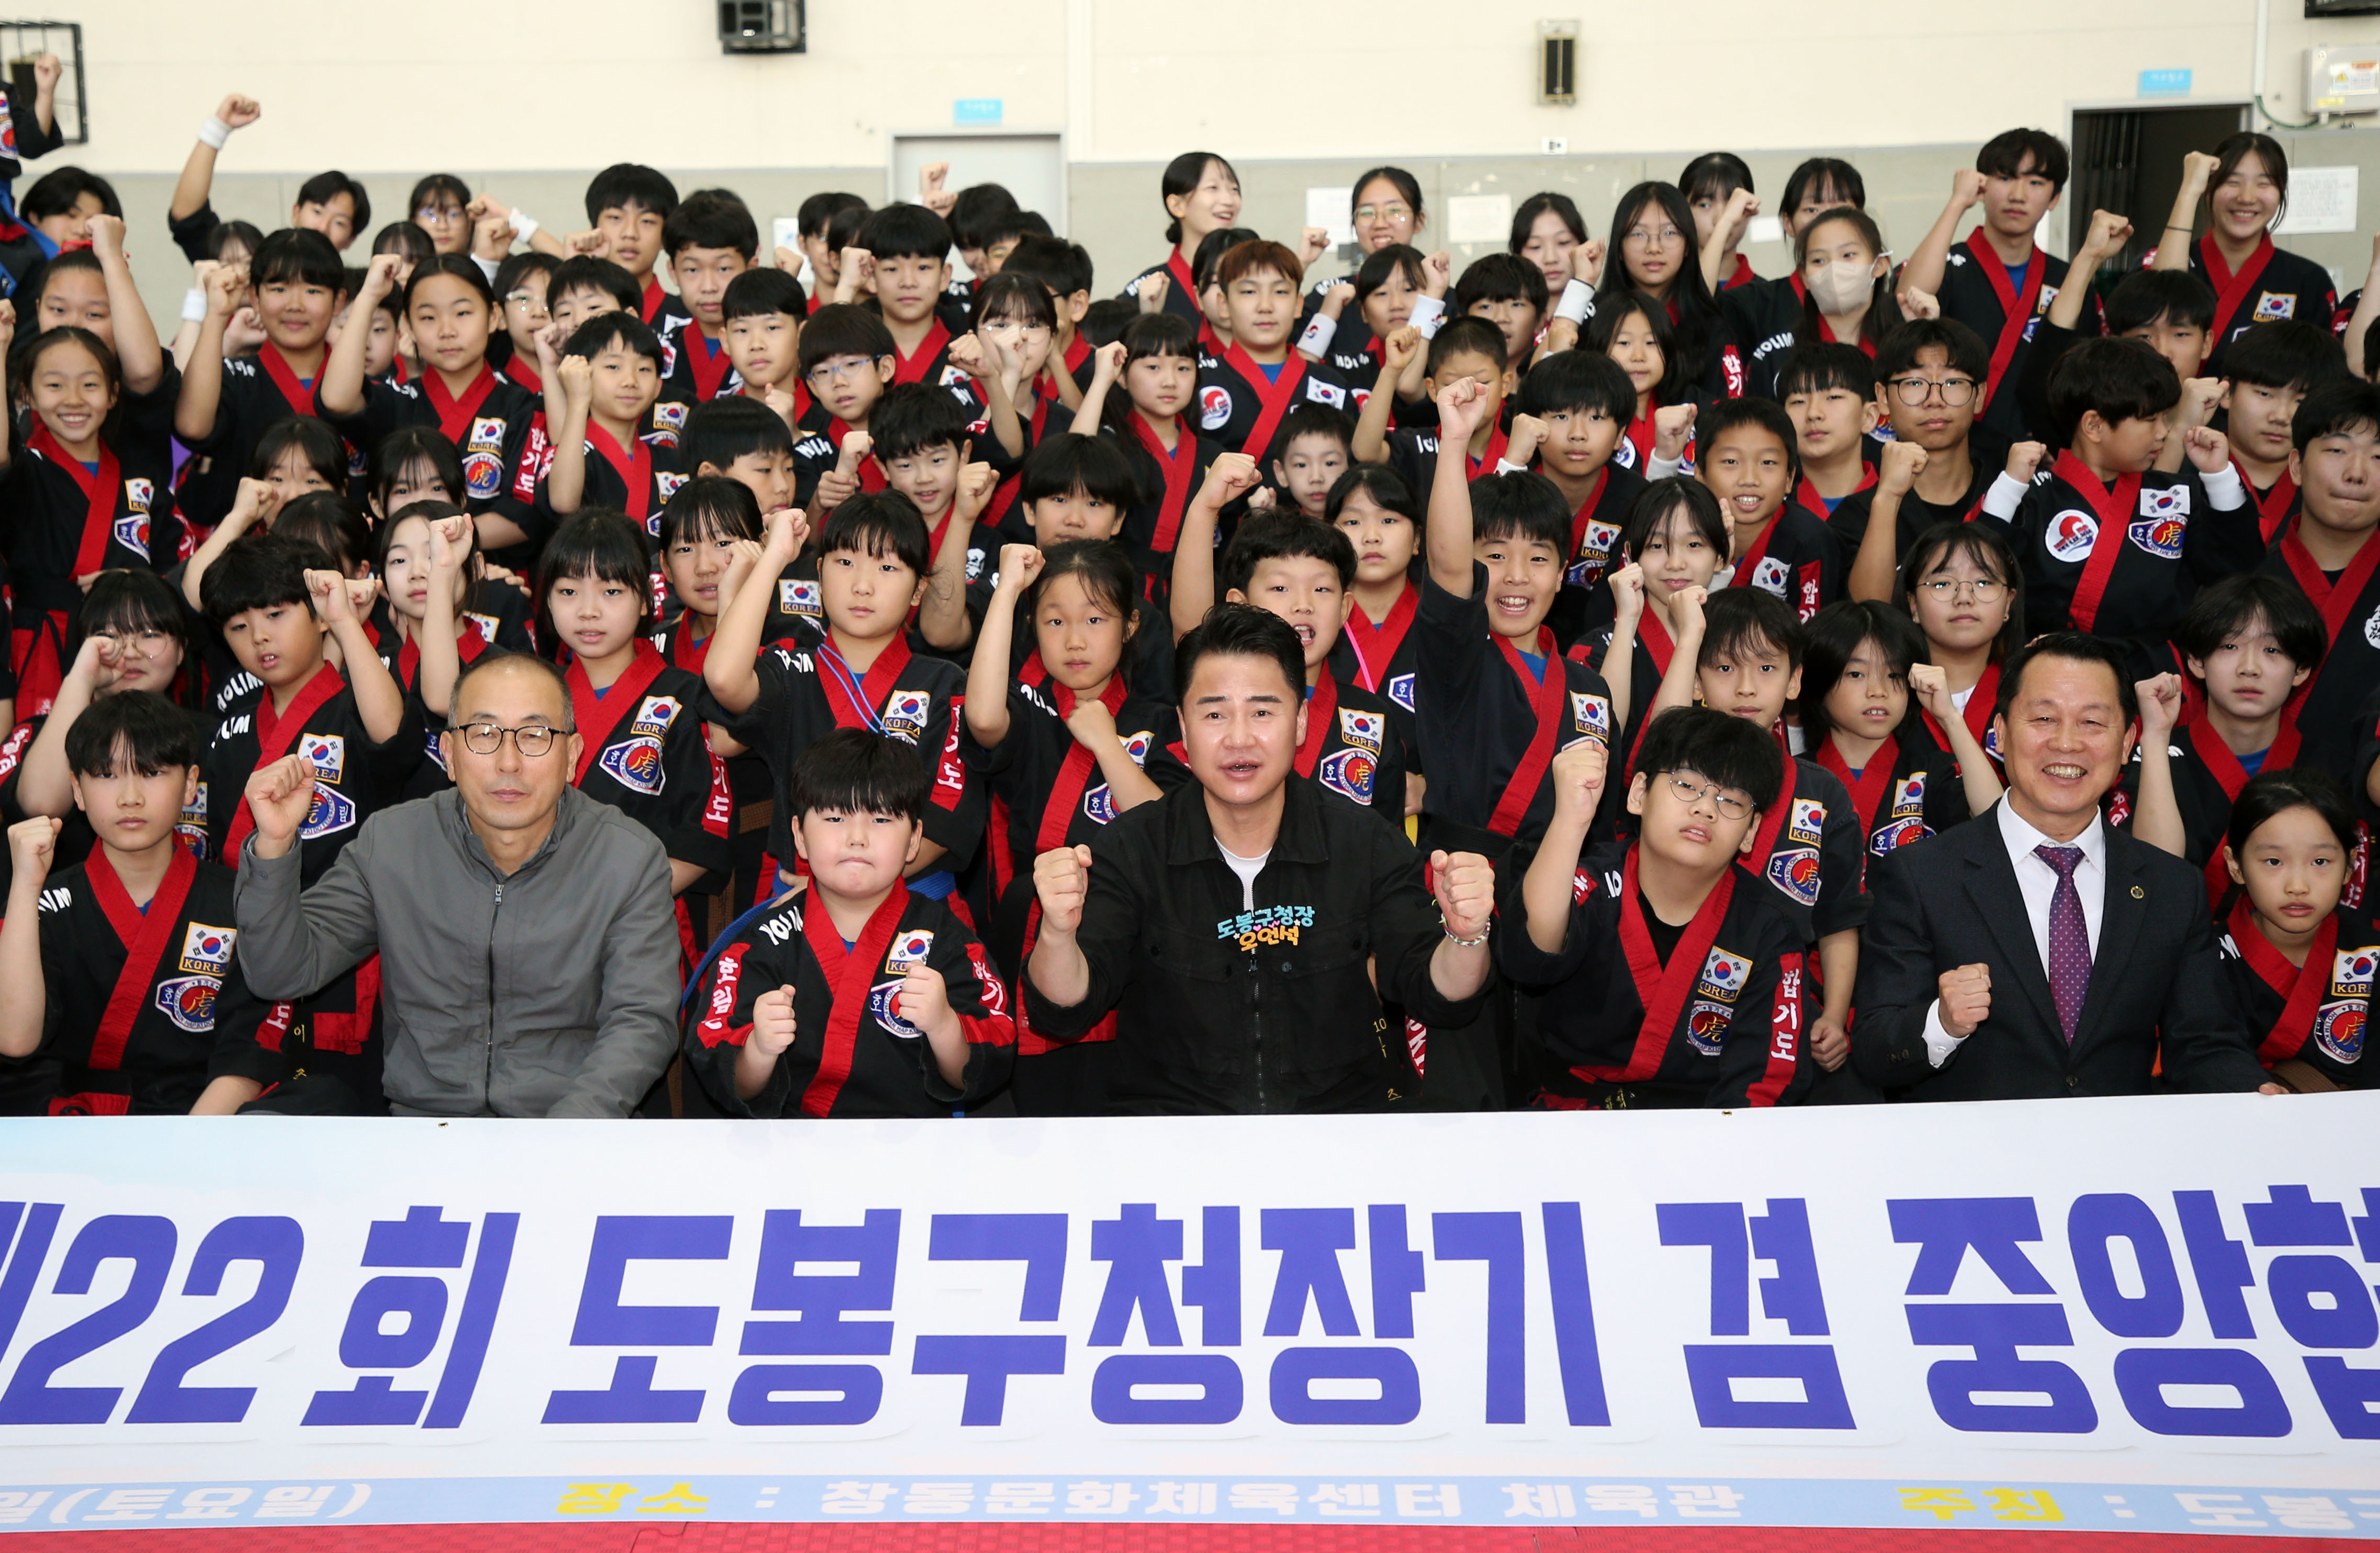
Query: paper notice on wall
{"type": "Point", "coordinates": [1478, 218]}
{"type": "Point", "coordinates": [1327, 208]}
{"type": "Point", "coordinates": [2321, 200]}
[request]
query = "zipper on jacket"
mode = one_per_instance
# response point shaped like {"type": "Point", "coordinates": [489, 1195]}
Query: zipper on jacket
{"type": "Point", "coordinates": [1255, 1029]}
{"type": "Point", "coordinates": [488, 1045]}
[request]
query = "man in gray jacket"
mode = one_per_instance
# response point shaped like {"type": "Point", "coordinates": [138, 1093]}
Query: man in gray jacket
{"type": "Point", "coordinates": [529, 954]}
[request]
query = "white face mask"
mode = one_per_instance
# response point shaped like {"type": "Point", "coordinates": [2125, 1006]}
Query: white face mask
{"type": "Point", "coordinates": [1842, 287]}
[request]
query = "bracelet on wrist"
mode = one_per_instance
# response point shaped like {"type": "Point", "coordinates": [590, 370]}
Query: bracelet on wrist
{"type": "Point", "coordinates": [1463, 943]}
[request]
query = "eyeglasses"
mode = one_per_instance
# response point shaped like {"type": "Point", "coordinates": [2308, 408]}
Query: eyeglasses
{"type": "Point", "coordinates": [532, 739]}
{"type": "Point", "coordinates": [1690, 791]}
{"type": "Point", "coordinates": [849, 367]}
{"type": "Point", "coordinates": [1916, 391]}
{"type": "Point", "coordinates": [528, 301]}
{"type": "Point", "coordinates": [1983, 590]}
{"type": "Point", "coordinates": [1644, 237]}
{"type": "Point", "coordinates": [1383, 212]}
{"type": "Point", "coordinates": [438, 215]}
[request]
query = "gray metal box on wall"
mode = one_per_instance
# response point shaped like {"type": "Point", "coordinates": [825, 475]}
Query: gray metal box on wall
{"type": "Point", "coordinates": [2343, 77]}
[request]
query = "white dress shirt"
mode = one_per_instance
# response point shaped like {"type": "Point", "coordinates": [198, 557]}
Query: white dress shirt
{"type": "Point", "coordinates": [2038, 882]}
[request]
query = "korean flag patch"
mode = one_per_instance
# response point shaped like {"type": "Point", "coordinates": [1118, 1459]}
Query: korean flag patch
{"type": "Point", "coordinates": [905, 712]}
{"type": "Point", "coordinates": [910, 947]}
{"type": "Point", "coordinates": [2272, 306]}
{"type": "Point", "coordinates": [1365, 729]}
{"type": "Point", "coordinates": [1771, 575]}
{"type": "Point", "coordinates": [1591, 714]}
{"type": "Point", "coordinates": [138, 493]}
{"type": "Point", "coordinates": [327, 753]}
{"type": "Point", "coordinates": [665, 483]}
{"type": "Point", "coordinates": [636, 764]}
{"type": "Point", "coordinates": [206, 949]}
{"type": "Point", "coordinates": [1724, 976]}
{"type": "Point", "coordinates": [797, 596]}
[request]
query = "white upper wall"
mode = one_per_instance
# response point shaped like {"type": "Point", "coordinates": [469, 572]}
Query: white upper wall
{"type": "Point", "coordinates": [569, 84]}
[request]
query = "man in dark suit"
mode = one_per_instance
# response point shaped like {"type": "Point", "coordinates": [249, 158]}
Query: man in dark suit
{"type": "Point", "coordinates": [2035, 951]}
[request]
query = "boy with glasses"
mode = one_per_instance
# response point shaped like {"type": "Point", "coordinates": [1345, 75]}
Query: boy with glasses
{"type": "Point", "coordinates": [1929, 377]}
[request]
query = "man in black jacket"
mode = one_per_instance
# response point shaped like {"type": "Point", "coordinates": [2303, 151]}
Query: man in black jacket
{"type": "Point", "coordinates": [1233, 922]}
{"type": "Point", "coordinates": [2035, 951]}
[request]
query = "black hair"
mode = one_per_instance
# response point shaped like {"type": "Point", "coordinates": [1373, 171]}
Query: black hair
{"type": "Point", "coordinates": [401, 238]}
{"type": "Point", "coordinates": [1282, 536]}
{"type": "Point", "coordinates": [1408, 188]}
{"type": "Point", "coordinates": [1821, 173]}
{"type": "Point", "coordinates": [903, 231]}
{"type": "Point", "coordinates": [1823, 366]}
{"type": "Point", "coordinates": [247, 233]}
{"type": "Point", "coordinates": [1160, 334]}
{"type": "Point", "coordinates": [884, 524]}
{"type": "Point", "coordinates": [588, 272]}
{"type": "Point", "coordinates": [323, 188]}
{"type": "Point", "coordinates": [1524, 505]}
{"type": "Point", "coordinates": [1477, 336]}
{"type": "Point", "coordinates": [1498, 277]}
{"type": "Point", "coordinates": [430, 511]}
{"type": "Point", "coordinates": [600, 543]}
{"type": "Point", "coordinates": [2004, 154]}
{"type": "Point", "coordinates": [2288, 353]}
{"type": "Point", "coordinates": [2145, 296]}
{"type": "Point", "coordinates": [1183, 177]}
{"type": "Point", "coordinates": [758, 292]}
{"type": "Point", "coordinates": [843, 329]}
{"type": "Point", "coordinates": [457, 266]}
{"type": "Point", "coordinates": [1688, 292]}
{"type": "Point", "coordinates": [124, 599]}
{"type": "Point", "coordinates": [315, 441]}
{"type": "Point", "coordinates": [2230, 605]}
{"type": "Point", "coordinates": [297, 254]}
{"type": "Point", "coordinates": [391, 303]}
{"type": "Point", "coordinates": [1105, 321]}
{"type": "Point", "coordinates": [1062, 268]}
{"type": "Point", "coordinates": [59, 190]}
{"type": "Point", "coordinates": [2372, 347]}
{"type": "Point", "coordinates": [1883, 314]}
{"type": "Point", "coordinates": [1962, 349]}
{"type": "Point", "coordinates": [516, 267]}
{"type": "Point", "coordinates": [711, 218]}
{"type": "Point", "coordinates": [604, 332]}
{"type": "Point", "coordinates": [1208, 256]}
{"type": "Point", "coordinates": [1649, 512]}
{"type": "Point", "coordinates": [811, 218]}
{"type": "Point", "coordinates": [1611, 310]}
{"type": "Point", "coordinates": [723, 430]}
{"type": "Point", "coordinates": [1066, 462]}
{"type": "Point", "coordinates": [711, 506]}
{"type": "Point", "coordinates": [2118, 378]}
{"type": "Point", "coordinates": [1382, 484]}
{"type": "Point", "coordinates": [843, 225]}
{"type": "Point", "coordinates": [1577, 380]}
{"type": "Point", "coordinates": [1306, 419]}
{"type": "Point", "coordinates": [1525, 219]}
{"type": "Point", "coordinates": [1768, 414]}
{"type": "Point", "coordinates": [438, 186]}
{"type": "Point", "coordinates": [974, 207]}
{"type": "Point", "coordinates": [627, 184]}
{"type": "Point", "coordinates": [2074, 647]}
{"type": "Point", "coordinates": [65, 262]}
{"type": "Point", "coordinates": [25, 359]}
{"type": "Point", "coordinates": [912, 417]}
{"type": "Point", "coordinates": [333, 524]}
{"type": "Point", "coordinates": [150, 733]}
{"type": "Point", "coordinates": [1715, 174]}
{"type": "Point", "coordinates": [2339, 408]}
{"type": "Point", "coordinates": [1985, 544]}
{"type": "Point", "coordinates": [857, 771]}
{"type": "Point", "coordinates": [1750, 622]}
{"type": "Point", "coordinates": [1012, 297]}
{"type": "Point", "coordinates": [1103, 569]}
{"type": "Point", "coordinates": [1381, 262]}
{"type": "Point", "coordinates": [2235, 149]}
{"type": "Point", "coordinates": [1014, 227]}
{"type": "Point", "coordinates": [258, 572]}
{"type": "Point", "coordinates": [406, 449]}
{"type": "Point", "coordinates": [1724, 750]}
{"type": "Point", "coordinates": [1239, 631]}
{"type": "Point", "coordinates": [2269, 793]}
{"type": "Point", "coordinates": [1834, 636]}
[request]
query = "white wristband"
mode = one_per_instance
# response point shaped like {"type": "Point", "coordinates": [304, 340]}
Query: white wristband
{"type": "Point", "coordinates": [1428, 312]}
{"type": "Point", "coordinates": [214, 132]}
{"type": "Point", "coordinates": [1577, 301]}
{"type": "Point", "coordinates": [194, 306]}
{"type": "Point", "coordinates": [525, 225]}
{"type": "Point", "coordinates": [1318, 334]}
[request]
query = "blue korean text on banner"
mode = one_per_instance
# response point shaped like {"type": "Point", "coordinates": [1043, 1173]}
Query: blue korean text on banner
{"type": "Point", "coordinates": [2165, 83]}
{"type": "Point", "coordinates": [986, 110]}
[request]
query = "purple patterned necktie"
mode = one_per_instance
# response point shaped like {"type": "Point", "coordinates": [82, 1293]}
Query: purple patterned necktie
{"type": "Point", "coordinates": [2070, 938]}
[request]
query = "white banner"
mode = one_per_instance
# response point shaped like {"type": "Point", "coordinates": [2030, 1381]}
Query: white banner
{"type": "Point", "coordinates": [2150, 1314]}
